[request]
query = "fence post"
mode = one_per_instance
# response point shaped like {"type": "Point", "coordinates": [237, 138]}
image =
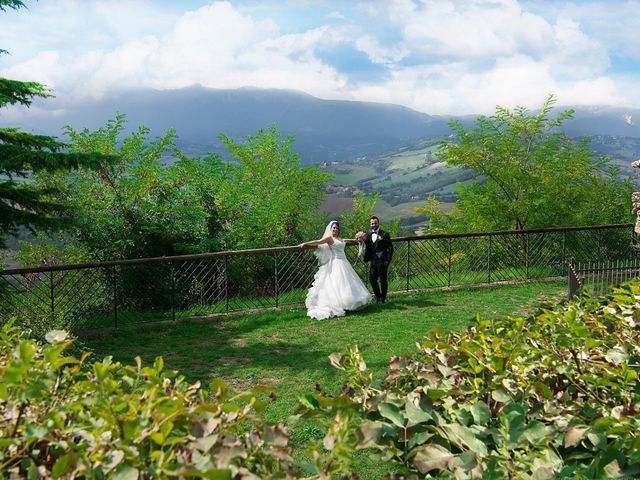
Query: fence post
{"type": "Point", "coordinates": [408, 253]}
{"type": "Point", "coordinates": [173, 291]}
{"type": "Point", "coordinates": [574, 283]}
{"type": "Point", "coordinates": [526, 256]}
{"type": "Point", "coordinates": [449, 265]}
{"type": "Point", "coordinates": [53, 303]}
{"type": "Point", "coordinates": [275, 280]}
{"type": "Point", "coordinates": [488, 258]}
{"type": "Point", "coordinates": [114, 278]}
{"type": "Point", "coordinates": [564, 250]}
{"type": "Point", "coordinates": [226, 286]}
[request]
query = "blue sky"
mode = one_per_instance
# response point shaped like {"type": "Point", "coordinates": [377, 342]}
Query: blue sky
{"type": "Point", "coordinates": [435, 56]}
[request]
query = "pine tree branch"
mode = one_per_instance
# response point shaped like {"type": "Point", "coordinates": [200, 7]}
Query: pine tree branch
{"type": "Point", "coordinates": [14, 4]}
{"type": "Point", "coordinates": [14, 91]}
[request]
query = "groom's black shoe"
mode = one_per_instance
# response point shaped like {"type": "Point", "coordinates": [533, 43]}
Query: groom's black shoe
{"type": "Point", "coordinates": [378, 301]}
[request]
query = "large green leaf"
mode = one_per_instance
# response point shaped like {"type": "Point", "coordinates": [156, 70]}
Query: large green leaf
{"type": "Point", "coordinates": [535, 433]}
{"type": "Point", "coordinates": [393, 413]}
{"type": "Point", "coordinates": [574, 435]}
{"type": "Point", "coordinates": [481, 413]}
{"type": "Point", "coordinates": [464, 437]}
{"type": "Point", "coordinates": [431, 457]}
{"type": "Point", "coordinates": [415, 414]}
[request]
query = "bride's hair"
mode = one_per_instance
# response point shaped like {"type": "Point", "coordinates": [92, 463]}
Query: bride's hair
{"type": "Point", "coordinates": [323, 252]}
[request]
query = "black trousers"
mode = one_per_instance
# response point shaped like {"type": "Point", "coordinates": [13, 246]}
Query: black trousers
{"type": "Point", "coordinates": [378, 271]}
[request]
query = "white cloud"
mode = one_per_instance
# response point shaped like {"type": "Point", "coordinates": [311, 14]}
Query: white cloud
{"type": "Point", "coordinates": [614, 24]}
{"type": "Point", "coordinates": [214, 45]}
{"type": "Point", "coordinates": [336, 15]}
{"type": "Point", "coordinates": [574, 54]}
{"type": "Point", "coordinates": [44, 67]}
{"type": "Point", "coordinates": [441, 56]}
{"type": "Point", "coordinates": [378, 53]}
{"type": "Point", "coordinates": [444, 28]}
{"type": "Point", "coordinates": [515, 80]}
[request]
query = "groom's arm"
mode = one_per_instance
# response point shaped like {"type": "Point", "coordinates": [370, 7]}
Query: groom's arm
{"type": "Point", "coordinates": [390, 248]}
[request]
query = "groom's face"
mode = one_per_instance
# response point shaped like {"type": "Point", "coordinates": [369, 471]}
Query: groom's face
{"type": "Point", "coordinates": [373, 223]}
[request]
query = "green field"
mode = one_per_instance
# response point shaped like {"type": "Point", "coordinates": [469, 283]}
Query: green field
{"type": "Point", "coordinates": [285, 349]}
{"type": "Point", "coordinates": [402, 210]}
{"type": "Point", "coordinates": [410, 158]}
{"type": "Point", "coordinates": [404, 180]}
{"type": "Point", "coordinates": [350, 174]}
{"type": "Point", "coordinates": [335, 204]}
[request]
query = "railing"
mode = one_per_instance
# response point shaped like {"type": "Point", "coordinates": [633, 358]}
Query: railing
{"type": "Point", "coordinates": [596, 277]}
{"type": "Point", "coordinates": [116, 293]}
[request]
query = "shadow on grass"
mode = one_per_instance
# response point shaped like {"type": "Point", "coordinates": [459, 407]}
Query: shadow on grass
{"type": "Point", "coordinates": [395, 302]}
{"type": "Point", "coordinates": [200, 348]}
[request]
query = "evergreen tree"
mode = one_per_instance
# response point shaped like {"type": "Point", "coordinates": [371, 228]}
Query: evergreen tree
{"type": "Point", "coordinates": [22, 154]}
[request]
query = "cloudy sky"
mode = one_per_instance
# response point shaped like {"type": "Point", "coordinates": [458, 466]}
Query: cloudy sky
{"type": "Point", "coordinates": [436, 56]}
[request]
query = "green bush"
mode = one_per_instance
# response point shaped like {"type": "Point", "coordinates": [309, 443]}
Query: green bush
{"type": "Point", "coordinates": [552, 396]}
{"type": "Point", "coordinates": [63, 416]}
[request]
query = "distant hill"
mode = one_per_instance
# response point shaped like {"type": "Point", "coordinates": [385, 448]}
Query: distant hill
{"type": "Point", "coordinates": [325, 130]}
{"type": "Point", "coordinates": [608, 121]}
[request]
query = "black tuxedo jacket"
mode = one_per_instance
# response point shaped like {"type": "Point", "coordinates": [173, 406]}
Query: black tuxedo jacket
{"type": "Point", "coordinates": [379, 251]}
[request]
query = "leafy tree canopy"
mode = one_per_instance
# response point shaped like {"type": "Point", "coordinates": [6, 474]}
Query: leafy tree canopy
{"type": "Point", "coordinates": [357, 218]}
{"type": "Point", "coordinates": [153, 201]}
{"type": "Point", "coordinates": [531, 175]}
{"type": "Point", "coordinates": [156, 201]}
{"type": "Point", "coordinates": [268, 198]}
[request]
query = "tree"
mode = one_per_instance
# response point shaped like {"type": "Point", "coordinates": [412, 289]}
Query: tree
{"type": "Point", "coordinates": [357, 218]}
{"type": "Point", "coordinates": [153, 201]}
{"type": "Point", "coordinates": [22, 154]}
{"type": "Point", "coordinates": [531, 174]}
{"type": "Point", "coordinates": [269, 199]}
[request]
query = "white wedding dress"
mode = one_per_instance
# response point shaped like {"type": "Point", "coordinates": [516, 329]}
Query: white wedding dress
{"type": "Point", "coordinates": [336, 287]}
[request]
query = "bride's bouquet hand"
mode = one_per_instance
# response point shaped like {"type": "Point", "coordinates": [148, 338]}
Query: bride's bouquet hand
{"type": "Point", "coordinates": [360, 237]}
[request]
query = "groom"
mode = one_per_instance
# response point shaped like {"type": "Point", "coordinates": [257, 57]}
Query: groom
{"type": "Point", "coordinates": [378, 251]}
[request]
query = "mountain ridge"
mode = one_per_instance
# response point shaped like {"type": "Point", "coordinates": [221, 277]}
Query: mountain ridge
{"type": "Point", "coordinates": [325, 130]}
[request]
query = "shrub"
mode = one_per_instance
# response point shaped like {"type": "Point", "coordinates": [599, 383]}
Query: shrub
{"type": "Point", "coordinates": [552, 396]}
{"type": "Point", "coordinates": [64, 416]}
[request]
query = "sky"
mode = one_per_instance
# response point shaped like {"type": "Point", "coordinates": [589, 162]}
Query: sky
{"type": "Point", "coordinates": [434, 56]}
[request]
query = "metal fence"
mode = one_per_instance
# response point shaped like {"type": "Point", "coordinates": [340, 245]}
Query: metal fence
{"type": "Point", "coordinates": [117, 293]}
{"type": "Point", "coordinates": [597, 277]}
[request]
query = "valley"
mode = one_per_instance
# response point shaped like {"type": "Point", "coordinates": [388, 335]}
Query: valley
{"type": "Point", "coordinates": [406, 177]}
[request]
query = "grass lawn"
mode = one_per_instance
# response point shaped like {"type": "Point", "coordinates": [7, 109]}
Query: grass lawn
{"type": "Point", "coordinates": [285, 349]}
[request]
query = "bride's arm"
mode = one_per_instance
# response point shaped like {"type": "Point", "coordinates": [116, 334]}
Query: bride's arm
{"type": "Point", "coordinates": [315, 243]}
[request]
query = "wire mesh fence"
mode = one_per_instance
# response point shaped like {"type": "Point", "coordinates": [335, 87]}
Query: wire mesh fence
{"type": "Point", "coordinates": [598, 276]}
{"type": "Point", "coordinates": [128, 292]}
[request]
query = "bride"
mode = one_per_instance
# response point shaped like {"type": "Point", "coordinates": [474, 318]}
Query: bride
{"type": "Point", "coordinates": [336, 286]}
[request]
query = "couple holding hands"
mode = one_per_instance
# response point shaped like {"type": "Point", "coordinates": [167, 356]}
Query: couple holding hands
{"type": "Point", "coordinates": [336, 286]}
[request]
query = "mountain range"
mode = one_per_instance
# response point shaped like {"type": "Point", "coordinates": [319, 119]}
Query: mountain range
{"type": "Point", "coordinates": [325, 130]}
